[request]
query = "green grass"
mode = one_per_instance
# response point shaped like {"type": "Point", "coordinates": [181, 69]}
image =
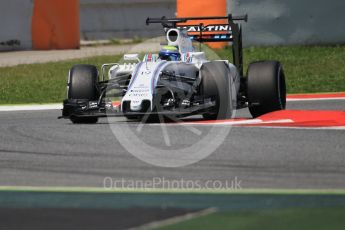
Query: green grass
{"type": "Point", "coordinates": [308, 70]}
{"type": "Point", "coordinates": [40, 83]}
{"type": "Point", "coordinates": [306, 219]}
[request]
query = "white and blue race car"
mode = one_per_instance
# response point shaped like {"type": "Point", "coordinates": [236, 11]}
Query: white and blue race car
{"type": "Point", "coordinates": [177, 82]}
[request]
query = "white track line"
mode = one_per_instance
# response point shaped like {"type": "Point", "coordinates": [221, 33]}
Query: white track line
{"type": "Point", "coordinates": [11, 108]}
{"type": "Point", "coordinates": [315, 99]}
{"type": "Point", "coordinates": [244, 122]}
{"type": "Point", "coordinates": [175, 220]}
{"type": "Point", "coordinates": [298, 127]}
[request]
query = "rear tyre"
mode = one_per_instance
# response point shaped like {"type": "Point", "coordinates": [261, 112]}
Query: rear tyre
{"type": "Point", "coordinates": [216, 85]}
{"type": "Point", "coordinates": [266, 87]}
{"type": "Point", "coordinates": [82, 85]}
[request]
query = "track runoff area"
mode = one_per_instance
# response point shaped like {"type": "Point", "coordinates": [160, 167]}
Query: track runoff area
{"type": "Point", "coordinates": [35, 208]}
{"type": "Point", "coordinates": [302, 119]}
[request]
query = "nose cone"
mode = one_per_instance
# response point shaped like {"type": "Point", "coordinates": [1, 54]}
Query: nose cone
{"type": "Point", "coordinates": [136, 105]}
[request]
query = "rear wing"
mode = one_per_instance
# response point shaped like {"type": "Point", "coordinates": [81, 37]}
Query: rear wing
{"type": "Point", "coordinates": [230, 32]}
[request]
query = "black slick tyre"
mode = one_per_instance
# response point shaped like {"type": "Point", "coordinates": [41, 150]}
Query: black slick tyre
{"type": "Point", "coordinates": [216, 84]}
{"type": "Point", "coordinates": [82, 85]}
{"type": "Point", "coordinates": [266, 89]}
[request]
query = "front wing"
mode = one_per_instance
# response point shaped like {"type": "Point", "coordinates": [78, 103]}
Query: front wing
{"type": "Point", "coordinates": [85, 108]}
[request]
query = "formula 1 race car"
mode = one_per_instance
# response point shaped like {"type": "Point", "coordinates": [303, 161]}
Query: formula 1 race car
{"type": "Point", "coordinates": [177, 82]}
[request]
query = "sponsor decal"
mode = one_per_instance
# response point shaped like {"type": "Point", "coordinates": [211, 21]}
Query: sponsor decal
{"type": "Point", "coordinates": [209, 28]}
{"type": "Point", "coordinates": [93, 105]}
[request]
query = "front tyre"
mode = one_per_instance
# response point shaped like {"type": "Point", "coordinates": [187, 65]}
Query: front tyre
{"type": "Point", "coordinates": [266, 89]}
{"type": "Point", "coordinates": [82, 85]}
{"type": "Point", "coordinates": [216, 84]}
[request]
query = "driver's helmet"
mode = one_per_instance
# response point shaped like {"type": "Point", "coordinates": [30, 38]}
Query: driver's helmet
{"type": "Point", "coordinates": [170, 53]}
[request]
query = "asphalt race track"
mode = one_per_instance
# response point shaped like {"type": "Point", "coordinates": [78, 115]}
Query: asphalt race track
{"type": "Point", "coordinates": [37, 149]}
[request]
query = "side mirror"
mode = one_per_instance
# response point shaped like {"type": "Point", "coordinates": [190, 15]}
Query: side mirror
{"type": "Point", "coordinates": [131, 57]}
